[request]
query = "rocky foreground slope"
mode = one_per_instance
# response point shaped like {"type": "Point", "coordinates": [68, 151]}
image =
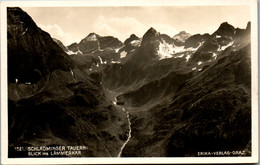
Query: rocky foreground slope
{"type": "Point", "coordinates": [51, 102]}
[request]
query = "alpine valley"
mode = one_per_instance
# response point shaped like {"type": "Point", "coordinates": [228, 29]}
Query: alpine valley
{"type": "Point", "coordinates": [150, 96]}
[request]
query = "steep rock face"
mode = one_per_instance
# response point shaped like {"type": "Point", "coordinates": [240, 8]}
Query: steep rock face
{"type": "Point", "coordinates": [221, 102]}
{"type": "Point", "coordinates": [25, 44]}
{"type": "Point", "coordinates": [64, 48]}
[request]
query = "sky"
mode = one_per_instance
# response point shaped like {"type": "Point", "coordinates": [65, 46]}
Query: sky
{"type": "Point", "coordinates": [72, 24]}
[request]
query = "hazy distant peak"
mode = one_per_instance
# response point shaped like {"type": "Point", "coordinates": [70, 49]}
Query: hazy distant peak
{"type": "Point", "coordinates": [183, 32]}
{"type": "Point", "coordinates": [225, 29]}
{"type": "Point", "coordinates": [20, 18]}
{"type": "Point", "coordinates": [182, 36]}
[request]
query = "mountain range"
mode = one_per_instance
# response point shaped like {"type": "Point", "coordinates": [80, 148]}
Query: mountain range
{"type": "Point", "coordinates": [149, 96]}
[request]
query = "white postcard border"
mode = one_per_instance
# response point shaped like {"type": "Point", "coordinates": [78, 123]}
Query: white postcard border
{"type": "Point", "coordinates": [254, 59]}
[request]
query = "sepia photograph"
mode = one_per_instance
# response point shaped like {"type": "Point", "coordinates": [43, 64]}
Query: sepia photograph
{"type": "Point", "coordinates": [173, 83]}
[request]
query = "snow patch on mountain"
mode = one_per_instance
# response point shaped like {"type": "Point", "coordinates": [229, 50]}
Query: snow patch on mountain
{"type": "Point", "coordinates": [165, 50]}
{"type": "Point", "coordinates": [115, 62]}
{"type": "Point", "coordinates": [117, 49]}
{"type": "Point", "coordinates": [123, 54]}
{"type": "Point", "coordinates": [179, 56]}
{"type": "Point", "coordinates": [69, 52]}
{"type": "Point", "coordinates": [79, 51]}
{"type": "Point", "coordinates": [181, 49]}
{"type": "Point", "coordinates": [199, 63]}
{"type": "Point", "coordinates": [182, 36]}
{"type": "Point", "coordinates": [215, 55]}
{"type": "Point", "coordinates": [217, 36]}
{"type": "Point", "coordinates": [101, 61]}
{"type": "Point", "coordinates": [226, 46]}
{"type": "Point", "coordinates": [135, 43]}
{"type": "Point", "coordinates": [187, 58]}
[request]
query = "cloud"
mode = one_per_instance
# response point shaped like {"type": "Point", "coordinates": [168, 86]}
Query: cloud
{"type": "Point", "coordinates": [119, 27]}
{"type": "Point", "coordinates": [123, 27]}
{"type": "Point", "coordinates": [56, 32]}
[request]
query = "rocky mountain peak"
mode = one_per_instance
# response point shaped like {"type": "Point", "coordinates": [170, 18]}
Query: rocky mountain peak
{"type": "Point", "coordinates": [150, 35]}
{"type": "Point", "coordinates": [151, 31]}
{"type": "Point", "coordinates": [31, 49]}
{"type": "Point", "coordinates": [225, 29]}
{"type": "Point", "coordinates": [131, 38]}
{"type": "Point", "coordinates": [182, 36]}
